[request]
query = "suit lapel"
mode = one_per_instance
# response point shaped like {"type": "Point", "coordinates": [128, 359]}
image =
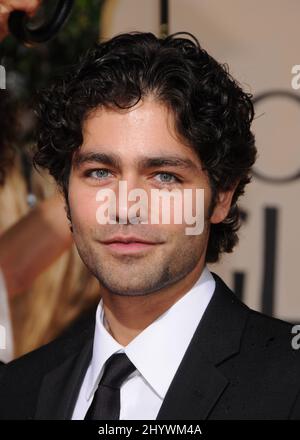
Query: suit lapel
{"type": "Point", "coordinates": [193, 392]}
{"type": "Point", "coordinates": [198, 384]}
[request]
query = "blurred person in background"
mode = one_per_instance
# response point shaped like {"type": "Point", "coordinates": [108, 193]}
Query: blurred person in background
{"type": "Point", "coordinates": [44, 287]}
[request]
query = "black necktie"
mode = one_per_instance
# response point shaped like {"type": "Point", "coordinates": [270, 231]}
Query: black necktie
{"type": "Point", "coordinates": [106, 401]}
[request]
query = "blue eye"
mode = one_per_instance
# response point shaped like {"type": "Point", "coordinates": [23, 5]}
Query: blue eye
{"type": "Point", "coordinates": [101, 173]}
{"type": "Point", "coordinates": [167, 178]}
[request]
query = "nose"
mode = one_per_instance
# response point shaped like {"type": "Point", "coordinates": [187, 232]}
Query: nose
{"type": "Point", "coordinates": [132, 200]}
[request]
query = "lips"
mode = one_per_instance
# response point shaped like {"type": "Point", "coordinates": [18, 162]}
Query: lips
{"type": "Point", "coordinates": [129, 245]}
{"type": "Point", "coordinates": [127, 239]}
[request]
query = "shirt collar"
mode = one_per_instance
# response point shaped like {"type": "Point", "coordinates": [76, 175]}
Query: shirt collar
{"type": "Point", "coordinates": [158, 350]}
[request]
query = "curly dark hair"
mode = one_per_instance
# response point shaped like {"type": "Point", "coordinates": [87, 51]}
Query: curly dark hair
{"type": "Point", "coordinates": [212, 112]}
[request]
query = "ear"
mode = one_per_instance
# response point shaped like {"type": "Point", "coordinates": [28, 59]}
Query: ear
{"type": "Point", "coordinates": [222, 205]}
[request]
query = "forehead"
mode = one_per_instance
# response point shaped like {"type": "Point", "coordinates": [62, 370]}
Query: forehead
{"type": "Point", "coordinates": [146, 129]}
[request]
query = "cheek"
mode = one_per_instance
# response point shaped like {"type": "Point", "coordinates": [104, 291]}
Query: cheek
{"type": "Point", "coordinates": [191, 205]}
{"type": "Point", "coordinates": [83, 206]}
{"type": "Point", "coordinates": [178, 236]}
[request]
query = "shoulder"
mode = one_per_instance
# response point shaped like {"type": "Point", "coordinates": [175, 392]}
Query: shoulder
{"type": "Point", "coordinates": [273, 336]}
{"type": "Point", "coordinates": [265, 336]}
{"type": "Point", "coordinates": [32, 367]}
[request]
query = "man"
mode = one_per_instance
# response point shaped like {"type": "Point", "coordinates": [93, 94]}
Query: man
{"type": "Point", "coordinates": [169, 339]}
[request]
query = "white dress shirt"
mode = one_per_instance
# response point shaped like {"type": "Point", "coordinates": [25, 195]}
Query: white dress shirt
{"type": "Point", "coordinates": [6, 338]}
{"type": "Point", "coordinates": [156, 352]}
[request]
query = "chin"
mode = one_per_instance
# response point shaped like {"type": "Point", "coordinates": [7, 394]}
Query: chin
{"type": "Point", "coordinates": [124, 289]}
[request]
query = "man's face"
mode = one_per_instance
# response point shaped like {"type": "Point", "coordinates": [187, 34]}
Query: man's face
{"type": "Point", "coordinates": [122, 146]}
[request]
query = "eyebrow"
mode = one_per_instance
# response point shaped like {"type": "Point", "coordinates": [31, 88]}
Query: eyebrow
{"type": "Point", "coordinates": [142, 163]}
{"type": "Point", "coordinates": [172, 161]}
{"type": "Point", "coordinates": [107, 159]}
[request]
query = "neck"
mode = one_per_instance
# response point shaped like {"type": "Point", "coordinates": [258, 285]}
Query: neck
{"type": "Point", "coordinates": [127, 316]}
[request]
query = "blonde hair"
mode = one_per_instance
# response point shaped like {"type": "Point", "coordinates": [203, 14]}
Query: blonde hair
{"type": "Point", "coordinates": [61, 293]}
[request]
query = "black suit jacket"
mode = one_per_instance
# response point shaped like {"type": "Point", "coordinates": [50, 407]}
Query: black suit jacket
{"type": "Point", "coordinates": [240, 364]}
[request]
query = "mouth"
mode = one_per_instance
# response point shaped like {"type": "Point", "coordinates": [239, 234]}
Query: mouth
{"type": "Point", "coordinates": [129, 246]}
